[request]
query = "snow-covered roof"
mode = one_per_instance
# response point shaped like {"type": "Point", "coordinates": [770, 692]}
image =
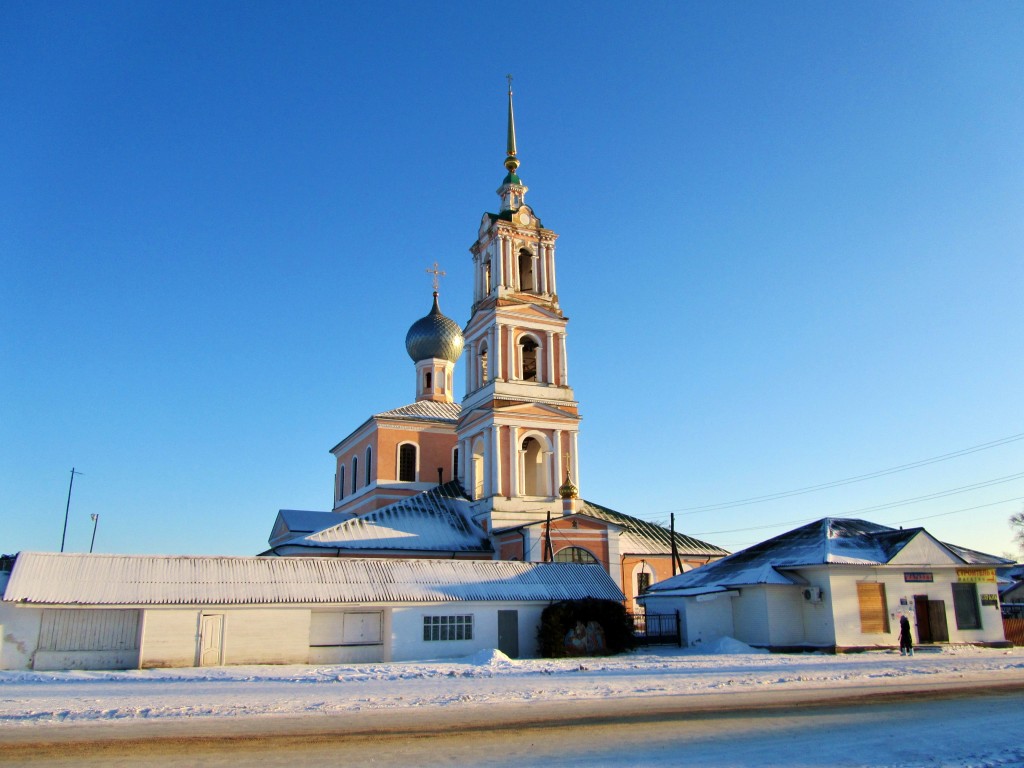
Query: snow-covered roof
{"type": "Point", "coordinates": [437, 520]}
{"type": "Point", "coordinates": [640, 537]}
{"type": "Point", "coordinates": [424, 410]}
{"type": "Point", "coordinates": [291, 523]}
{"type": "Point", "coordinates": [51, 578]}
{"type": "Point", "coordinates": [829, 541]}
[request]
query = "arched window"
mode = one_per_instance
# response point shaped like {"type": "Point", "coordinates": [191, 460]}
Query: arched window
{"type": "Point", "coordinates": [341, 482]}
{"type": "Point", "coordinates": [355, 473]}
{"type": "Point", "coordinates": [525, 270]}
{"type": "Point", "coordinates": [482, 357]}
{"type": "Point", "coordinates": [455, 464]}
{"type": "Point", "coordinates": [427, 380]}
{"type": "Point", "coordinates": [535, 468]}
{"type": "Point", "coordinates": [575, 555]}
{"type": "Point", "coordinates": [369, 464]}
{"type": "Point", "coordinates": [487, 278]}
{"type": "Point", "coordinates": [407, 463]}
{"type": "Point", "coordinates": [528, 347]}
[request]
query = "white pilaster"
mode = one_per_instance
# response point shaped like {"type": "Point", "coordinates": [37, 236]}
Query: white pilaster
{"type": "Point", "coordinates": [565, 363]}
{"type": "Point", "coordinates": [551, 268]}
{"type": "Point", "coordinates": [514, 461]}
{"type": "Point", "coordinates": [495, 485]}
{"type": "Point", "coordinates": [496, 343]}
{"type": "Point", "coordinates": [549, 363]}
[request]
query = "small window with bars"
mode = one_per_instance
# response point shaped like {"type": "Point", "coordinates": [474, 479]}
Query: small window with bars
{"type": "Point", "coordinates": [437, 628]}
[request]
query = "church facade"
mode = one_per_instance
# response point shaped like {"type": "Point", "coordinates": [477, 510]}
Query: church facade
{"type": "Point", "coordinates": [490, 477]}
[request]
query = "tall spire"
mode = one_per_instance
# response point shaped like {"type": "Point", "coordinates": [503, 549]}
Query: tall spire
{"type": "Point", "coordinates": [512, 190]}
{"type": "Point", "coordinates": [511, 162]}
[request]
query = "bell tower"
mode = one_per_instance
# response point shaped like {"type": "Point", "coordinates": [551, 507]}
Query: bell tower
{"type": "Point", "coordinates": [519, 420]}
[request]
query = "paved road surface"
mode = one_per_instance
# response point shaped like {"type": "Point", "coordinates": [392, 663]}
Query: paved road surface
{"type": "Point", "coordinates": [861, 726]}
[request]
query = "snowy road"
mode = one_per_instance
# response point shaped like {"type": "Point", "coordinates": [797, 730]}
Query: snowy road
{"type": "Point", "coordinates": [664, 707]}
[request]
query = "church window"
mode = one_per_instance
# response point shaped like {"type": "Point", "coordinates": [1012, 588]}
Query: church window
{"type": "Point", "coordinates": [525, 270]}
{"type": "Point", "coordinates": [575, 555]}
{"type": "Point", "coordinates": [455, 464]}
{"type": "Point", "coordinates": [407, 463]}
{"type": "Point", "coordinates": [487, 279]}
{"type": "Point", "coordinates": [341, 482]}
{"type": "Point", "coordinates": [643, 582]}
{"type": "Point", "coordinates": [427, 380]}
{"type": "Point", "coordinates": [369, 463]}
{"type": "Point", "coordinates": [528, 356]}
{"type": "Point", "coordinates": [355, 473]}
{"type": "Point", "coordinates": [436, 628]}
{"type": "Point", "coordinates": [483, 365]}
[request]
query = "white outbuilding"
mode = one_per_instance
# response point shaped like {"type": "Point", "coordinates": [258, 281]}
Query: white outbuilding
{"type": "Point", "coordinates": [838, 585]}
{"type": "Point", "coordinates": [78, 611]}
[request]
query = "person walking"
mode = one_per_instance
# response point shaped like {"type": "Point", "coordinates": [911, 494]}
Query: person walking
{"type": "Point", "coordinates": [906, 639]}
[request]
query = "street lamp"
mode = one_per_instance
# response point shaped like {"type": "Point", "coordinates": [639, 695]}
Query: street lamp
{"type": "Point", "coordinates": [95, 522]}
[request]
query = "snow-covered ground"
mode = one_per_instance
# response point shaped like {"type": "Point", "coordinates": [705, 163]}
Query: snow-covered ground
{"type": "Point", "coordinates": [32, 699]}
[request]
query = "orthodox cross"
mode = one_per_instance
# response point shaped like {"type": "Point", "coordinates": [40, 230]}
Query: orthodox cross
{"type": "Point", "coordinates": [436, 273]}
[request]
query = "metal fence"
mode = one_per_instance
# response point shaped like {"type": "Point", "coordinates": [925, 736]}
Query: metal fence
{"type": "Point", "coordinates": [656, 628]}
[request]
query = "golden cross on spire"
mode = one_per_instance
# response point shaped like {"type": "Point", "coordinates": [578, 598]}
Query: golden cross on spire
{"type": "Point", "coordinates": [436, 273]}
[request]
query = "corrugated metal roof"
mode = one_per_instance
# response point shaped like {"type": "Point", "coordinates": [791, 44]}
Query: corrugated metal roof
{"type": "Point", "coordinates": [826, 541]}
{"type": "Point", "coordinates": [641, 537]}
{"type": "Point", "coordinates": [437, 520]}
{"type": "Point", "coordinates": [80, 579]}
{"type": "Point", "coordinates": [424, 410]}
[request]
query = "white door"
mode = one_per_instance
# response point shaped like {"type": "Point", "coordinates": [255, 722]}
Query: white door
{"type": "Point", "coordinates": [211, 631]}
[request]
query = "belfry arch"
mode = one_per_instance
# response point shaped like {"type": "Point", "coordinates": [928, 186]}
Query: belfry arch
{"type": "Point", "coordinates": [535, 465]}
{"type": "Point", "coordinates": [530, 355]}
{"type": "Point", "coordinates": [527, 279]}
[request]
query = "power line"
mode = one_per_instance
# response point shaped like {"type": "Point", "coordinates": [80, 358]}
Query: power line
{"type": "Point", "coordinates": [848, 480]}
{"type": "Point", "coordinates": [900, 522]}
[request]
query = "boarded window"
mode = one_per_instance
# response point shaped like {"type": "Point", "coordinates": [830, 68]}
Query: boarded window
{"type": "Point", "coordinates": [874, 617]}
{"type": "Point", "coordinates": [965, 606]}
{"type": "Point", "coordinates": [87, 630]}
{"type": "Point", "coordinates": [334, 628]}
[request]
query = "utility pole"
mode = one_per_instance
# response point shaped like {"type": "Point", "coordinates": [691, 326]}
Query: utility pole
{"type": "Point", "coordinates": [95, 521]}
{"type": "Point", "coordinates": [67, 508]}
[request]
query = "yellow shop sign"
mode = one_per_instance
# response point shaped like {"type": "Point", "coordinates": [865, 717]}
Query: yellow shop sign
{"type": "Point", "coordinates": [976, 575]}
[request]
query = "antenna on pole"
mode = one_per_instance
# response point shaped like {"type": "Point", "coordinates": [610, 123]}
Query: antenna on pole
{"type": "Point", "coordinates": [95, 522]}
{"type": "Point", "coordinates": [67, 508]}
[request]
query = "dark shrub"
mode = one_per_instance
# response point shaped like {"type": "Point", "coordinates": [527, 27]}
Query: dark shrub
{"type": "Point", "coordinates": [584, 628]}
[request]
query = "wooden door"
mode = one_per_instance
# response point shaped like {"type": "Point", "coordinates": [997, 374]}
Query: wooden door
{"type": "Point", "coordinates": [924, 629]}
{"type": "Point", "coordinates": [937, 621]}
{"type": "Point", "coordinates": [508, 633]}
{"type": "Point", "coordinates": [211, 632]}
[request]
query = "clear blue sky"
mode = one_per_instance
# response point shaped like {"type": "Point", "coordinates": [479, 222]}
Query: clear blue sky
{"type": "Point", "coordinates": [792, 252]}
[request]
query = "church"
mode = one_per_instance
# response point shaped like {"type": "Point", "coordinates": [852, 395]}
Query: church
{"type": "Point", "coordinates": [490, 478]}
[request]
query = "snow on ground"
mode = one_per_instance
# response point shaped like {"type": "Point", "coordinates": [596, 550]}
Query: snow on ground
{"type": "Point", "coordinates": [29, 699]}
